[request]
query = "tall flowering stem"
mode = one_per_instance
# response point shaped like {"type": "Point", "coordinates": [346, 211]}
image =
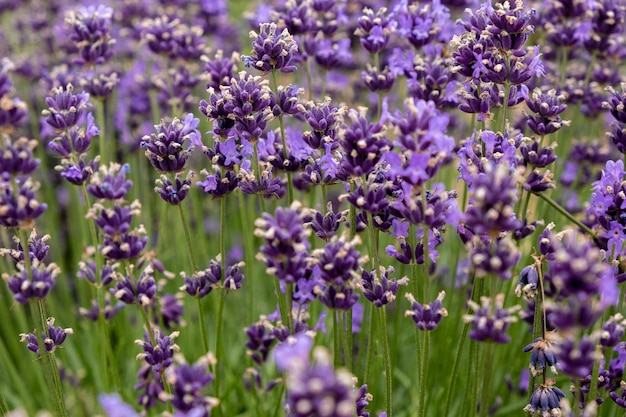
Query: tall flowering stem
{"type": "Point", "coordinates": [38, 310]}
{"type": "Point", "coordinates": [281, 123]}
{"type": "Point", "coordinates": [108, 349]}
{"type": "Point", "coordinates": [101, 121]}
{"type": "Point", "coordinates": [567, 214]}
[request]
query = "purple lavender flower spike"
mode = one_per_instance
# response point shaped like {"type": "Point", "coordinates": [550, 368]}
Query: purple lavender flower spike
{"type": "Point", "coordinates": [174, 193]}
{"type": "Point", "coordinates": [114, 406]}
{"type": "Point", "coordinates": [324, 119]}
{"type": "Point", "coordinates": [363, 144]}
{"type": "Point", "coordinates": [166, 148]}
{"type": "Point", "coordinates": [79, 173]}
{"type": "Point", "coordinates": [188, 383]}
{"type": "Point", "coordinates": [110, 182]}
{"type": "Point", "coordinates": [53, 337]}
{"type": "Point", "coordinates": [260, 341]}
{"type": "Point", "coordinates": [374, 30]}
{"type": "Point", "coordinates": [545, 401]}
{"type": "Point", "coordinates": [271, 50]}
{"type": "Point", "coordinates": [493, 199]}
{"type": "Point", "coordinates": [161, 355]}
{"type": "Point", "coordinates": [89, 29]}
{"type": "Point", "coordinates": [20, 208]}
{"type": "Point", "coordinates": [219, 70]}
{"type": "Point", "coordinates": [93, 313]}
{"type": "Point", "coordinates": [16, 157]}
{"type": "Point", "coordinates": [75, 140]}
{"type": "Point", "coordinates": [543, 353]}
{"type": "Point", "coordinates": [578, 268]}
{"type": "Point", "coordinates": [576, 357]}
{"type": "Point", "coordinates": [219, 184]}
{"type": "Point", "coordinates": [317, 389]}
{"type": "Point", "coordinates": [613, 330]}
{"type": "Point", "coordinates": [380, 289]}
{"type": "Point", "coordinates": [496, 257]}
{"type": "Point", "coordinates": [285, 249]}
{"type": "Point", "coordinates": [427, 316]}
{"type": "Point", "coordinates": [65, 109]}
{"type": "Point", "coordinates": [13, 110]}
{"type": "Point", "coordinates": [100, 85]}
{"type": "Point", "coordinates": [378, 80]}
{"type": "Point", "coordinates": [490, 320]}
{"type": "Point", "coordinates": [140, 292]}
{"type": "Point", "coordinates": [325, 226]}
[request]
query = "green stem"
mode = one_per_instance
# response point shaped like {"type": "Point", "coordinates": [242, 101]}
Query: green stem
{"type": "Point", "coordinates": [352, 212]}
{"type": "Point", "coordinates": [424, 374]}
{"type": "Point", "coordinates": [336, 343]}
{"type": "Point", "coordinates": [108, 356]}
{"type": "Point", "coordinates": [248, 243]}
{"type": "Point", "coordinates": [455, 368]}
{"type": "Point", "coordinates": [283, 140]}
{"type": "Point", "coordinates": [593, 386]}
{"type": "Point", "coordinates": [387, 359]}
{"type": "Point", "coordinates": [202, 324]}
{"type": "Point", "coordinates": [370, 342]}
{"type": "Point", "coordinates": [257, 173]}
{"type": "Point", "coordinates": [488, 368]}
{"type": "Point", "coordinates": [348, 347]}
{"type": "Point", "coordinates": [183, 219]}
{"type": "Point", "coordinates": [219, 346]}
{"type": "Point", "coordinates": [471, 397]}
{"type": "Point", "coordinates": [100, 120]}
{"type": "Point", "coordinates": [50, 369]}
{"type": "Point", "coordinates": [565, 213]}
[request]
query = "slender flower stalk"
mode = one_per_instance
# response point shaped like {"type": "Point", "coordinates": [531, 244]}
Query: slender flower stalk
{"type": "Point", "coordinates": [38, 310]}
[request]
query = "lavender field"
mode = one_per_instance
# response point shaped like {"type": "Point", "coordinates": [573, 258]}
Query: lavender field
{"type": "Point", "coordinates": [312, 208]}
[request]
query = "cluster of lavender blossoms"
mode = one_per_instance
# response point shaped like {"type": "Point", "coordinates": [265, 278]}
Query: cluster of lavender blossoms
{"type": "Point", "coordinates": [463, 159]}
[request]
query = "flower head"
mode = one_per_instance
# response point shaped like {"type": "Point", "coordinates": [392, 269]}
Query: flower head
{"type": "Point", "coordinates": [490, 320]}
{"type": "Point", "coordinates": [272, 50]}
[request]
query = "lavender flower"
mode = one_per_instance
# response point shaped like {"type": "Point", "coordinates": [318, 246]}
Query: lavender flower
{"type": "Point", "coordinates": [374, 30]}
{"type": "Point", "coordinates": [336, 268]}
{"type": "Point", "coordinates": [219, 70]}
{"type": "Point", "coordinates": [380, 289]}
{"type": "Point", "coordinates": [284, 252]}
{"type": "Point", "coordinates": [613, 330]}
{"type": "Point", "coordinates": [427, 316]}
{"type": "Point", "coordinates": [543, 353]}
{"type": "Point", "coordinates": [188, 383]}
{"type": "Point", "coordinates": [272, 51]}
{"type": "Point", "coordinates": [139, 290]}
{"type": "Point", "coordinates": [545, 401]}
{"type": "Point", "coordinates": [490, 320]}
{"type": "Point", "coordinates": [160, 355]}
{"type": "Point", "coordinates": [316, 389]}
{"type": "Point", "coordinates": [65, 109]}
{"type": "Point", "coordinates": [174, 193]}
{"type": "Point", "coordinates": [75, 140]}
{"type": "Point", "coordinates": [165, 149]}
{"type": "Point", "coordinates": [326, 225]}
{"type": "Point", "coordinates": [89, 29]}
{"type": "Point", "coordinates": [260, 341]}
{"type": "Point", "coordinates": [219, 184]}
{"type": "Point", "coordinates": [110, 182]}
{"type": "Point", "coordinates": [120, 242]}
{"type": "Point", "coordinates": [494, 194]}
{"type": "Point", "coordinates": [16, 158]}
{"type": "Point", "coordinates": [114, 406]}
{"type": "Point", "coordinates": [19, 206]}
{"type": "Point", "coordinates": [53, 337]}
{"type": "Point", "coordinates": [576, 357]}
{"type": "Point", "coordinates": [363, 144]}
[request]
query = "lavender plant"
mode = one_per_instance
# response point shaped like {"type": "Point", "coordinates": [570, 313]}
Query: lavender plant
{"type": "Point", "coordinates": [347, 164]}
